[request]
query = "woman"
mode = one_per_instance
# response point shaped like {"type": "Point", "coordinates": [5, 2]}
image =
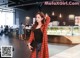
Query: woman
{"type": "Point", "coordinates": [39, 33]}
{"type": "Point", "coordinates": [21, 31]}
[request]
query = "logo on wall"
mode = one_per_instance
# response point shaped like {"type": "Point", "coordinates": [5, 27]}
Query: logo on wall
{"type": "Point", "coordinates": [77, 20]}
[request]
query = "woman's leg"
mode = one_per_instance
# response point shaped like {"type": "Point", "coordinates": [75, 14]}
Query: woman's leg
{"type": "Point", "coordinates": [36, 53]}
{"type": "Point", "coordinates": [38, 49]}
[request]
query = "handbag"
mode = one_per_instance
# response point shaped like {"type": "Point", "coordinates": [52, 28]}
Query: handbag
{"type": "Point", "coordinates": [33, 44]}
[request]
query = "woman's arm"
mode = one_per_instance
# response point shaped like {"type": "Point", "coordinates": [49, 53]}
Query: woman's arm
{"type": "Point", "coordinates": [31, 37]}
{"type": "Point", "coordinates": [30, 40]}
{"type": "Point", "coordinates": [47, 18]}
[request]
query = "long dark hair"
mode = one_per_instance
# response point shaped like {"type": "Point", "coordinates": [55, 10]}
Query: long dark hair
{"type": "Point", "coordinates": [36, 23]}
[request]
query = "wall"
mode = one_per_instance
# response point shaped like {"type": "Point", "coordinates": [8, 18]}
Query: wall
{"type": "Point", "coordinates": [64, 10]}
{"type": "Point", "coordinates": [20, 15]}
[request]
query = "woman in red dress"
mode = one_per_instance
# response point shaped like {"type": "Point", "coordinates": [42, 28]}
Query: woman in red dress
{"type": "Point", "coordinates": [39, 34]}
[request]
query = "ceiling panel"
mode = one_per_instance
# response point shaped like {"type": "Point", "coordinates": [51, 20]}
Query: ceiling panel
{"type": "Point", "coordinates": [27, 3]}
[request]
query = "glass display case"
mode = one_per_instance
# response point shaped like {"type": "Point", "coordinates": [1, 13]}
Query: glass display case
{"type": "Point", "coordinates": [76, 30]}
{"type": "Point", "coordinates": [64, 30]}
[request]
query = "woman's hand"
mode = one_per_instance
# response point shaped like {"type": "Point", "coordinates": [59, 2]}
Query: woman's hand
{"type": "Point", "coordinates": [46, 15]}
{"type": "Point", "coordinates": [30, 47]}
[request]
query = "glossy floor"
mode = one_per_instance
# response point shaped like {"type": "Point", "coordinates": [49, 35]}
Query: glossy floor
{"type": "Point", "coordinates": [21, 50]}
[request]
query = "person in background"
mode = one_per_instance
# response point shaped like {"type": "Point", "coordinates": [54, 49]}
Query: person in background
{"type": "Point", "coordinates": [6, 29]}
{"type": "Point", "coordinates": [21, 31]}
{"type": "Point", "coordinates": [2, 30]}
{"type": "Point", "coordinates": [39, 35]}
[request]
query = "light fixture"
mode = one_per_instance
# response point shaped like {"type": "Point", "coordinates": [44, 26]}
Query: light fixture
{"type": "Point", "coordinates": [27, 18]}
{"type": "Point", "coordinates": [71, 17]}
{"type": "Point", "coordinates": [53, 13]}
{"type": "Point", "coordinates": [60, 15]}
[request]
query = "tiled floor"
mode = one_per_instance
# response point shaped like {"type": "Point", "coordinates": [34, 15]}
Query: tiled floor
{"type": "Point", "coordinates": [21, 50]}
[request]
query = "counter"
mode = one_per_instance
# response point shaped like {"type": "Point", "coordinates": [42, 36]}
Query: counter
{"type": "Point", "coordinates": [64, 34]}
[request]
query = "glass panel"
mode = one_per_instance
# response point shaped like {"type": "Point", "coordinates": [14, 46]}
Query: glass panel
{"type": "Point", "coordinates": [6, 18]}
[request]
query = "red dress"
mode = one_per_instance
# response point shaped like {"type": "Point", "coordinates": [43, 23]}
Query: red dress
{"type": "Point", "coordinates": [43, 53]}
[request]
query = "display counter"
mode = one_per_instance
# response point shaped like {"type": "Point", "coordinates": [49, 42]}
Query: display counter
{"type": "Point", "coordinates": [64, 34]}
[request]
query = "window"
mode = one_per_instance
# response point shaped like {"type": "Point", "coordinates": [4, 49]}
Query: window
{"type": "Point", "coordinates": [6, 18]}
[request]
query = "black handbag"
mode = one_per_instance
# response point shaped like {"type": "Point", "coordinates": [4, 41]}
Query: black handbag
{"type": "Point", "coordinates": [33, 44]}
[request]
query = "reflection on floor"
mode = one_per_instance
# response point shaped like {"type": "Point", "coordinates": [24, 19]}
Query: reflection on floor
{"type": "Point", "coordinates": [21, 50]}
{"type": "Point", "coordinates": [57, 48]}
{"type": "Point", "coordinates": [20, 46]}
{"type": "Point", "coordinates": [73, 52]}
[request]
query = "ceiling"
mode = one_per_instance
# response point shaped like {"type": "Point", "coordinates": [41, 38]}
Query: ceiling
{"type": "Point", "coordinates": [26, 4]}
{"type": "Point", "coordinates": [20, 2]}
{"type": "Point", "coordinates": [29, 3]}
